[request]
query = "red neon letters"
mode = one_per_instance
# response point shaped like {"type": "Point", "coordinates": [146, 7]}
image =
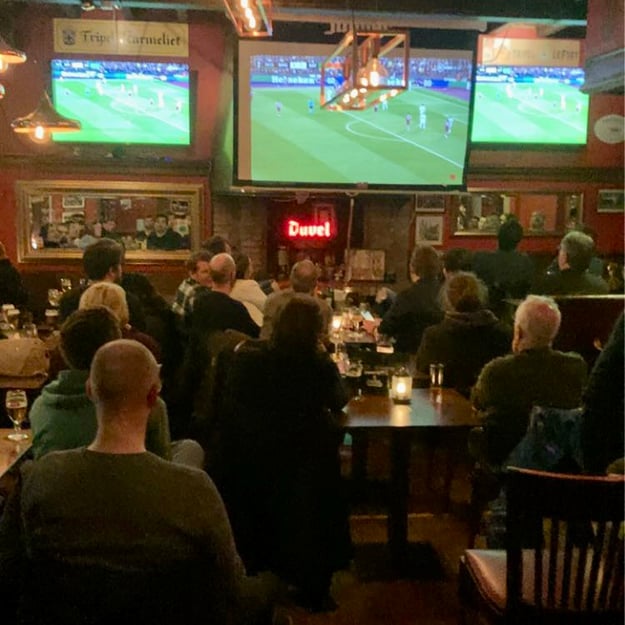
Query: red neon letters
{"type": "Point", "coordinates": [295, 230]}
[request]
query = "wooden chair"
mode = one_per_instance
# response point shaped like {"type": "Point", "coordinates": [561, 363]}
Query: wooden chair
{"type": "Point", "coordinates": [573, 572]}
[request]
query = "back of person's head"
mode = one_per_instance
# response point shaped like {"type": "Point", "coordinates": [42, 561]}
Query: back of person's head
{"type": "Point", "coordinates": [123, 374]}
{"type": "Point", "coordinates": [579, 249]}
{"type": "Point", "coordinates": [101, 257]}
{"type": "Point", "coordinates": [464, 292]}
{"type": "Point", "coordinates": [304, 276]}
{"type": "Point", "coordinates": [140, 286]}
{"type": "Point", "coordinates": [242, 263]}
{"type": "Point", "coordinates": [84, 332]}
{"type": "Point", "coordinates": [458, 259]}
{"type": "Point", "coordinates": [194, 258]}
{"type": "Point", "coordinates": [539, 319]}
{"type": "Point", "coordinates": [509, 234]}
{"type": "Point", "coordinates": [107, 294]}
{"type": "Point", "coordinates": [299, 326]}
{"type": "Point", "coordinates": [425, 262]}
{"type": "Point", "coordinates": [216, 245]}
{"type": "Point", "coordinates": [222, 269]}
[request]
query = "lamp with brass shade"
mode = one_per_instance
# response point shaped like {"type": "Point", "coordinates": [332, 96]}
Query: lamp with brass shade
{"type": "Point", "coordinates": [43, 121]}
{"type": "Point", "coordinates": [365, 80]}
{"type": "Point", "coordinates": [9, 55]}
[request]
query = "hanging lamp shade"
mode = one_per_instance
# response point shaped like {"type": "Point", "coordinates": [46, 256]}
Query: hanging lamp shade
{"type": "Point", "coordinates": [9, 55]}
{"type": "Point", "coordinates": [43, 121]}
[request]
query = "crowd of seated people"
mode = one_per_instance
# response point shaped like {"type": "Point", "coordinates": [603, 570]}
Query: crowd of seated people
{"type": "Point", "coordinates": [264, 409]}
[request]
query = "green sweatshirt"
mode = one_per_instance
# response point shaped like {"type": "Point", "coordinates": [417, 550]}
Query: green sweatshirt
{"type": "Point", "coordinates": [63, 417]}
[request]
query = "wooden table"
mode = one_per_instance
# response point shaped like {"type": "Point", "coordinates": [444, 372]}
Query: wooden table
{"type": "Point", "coordinates": [443, 410]}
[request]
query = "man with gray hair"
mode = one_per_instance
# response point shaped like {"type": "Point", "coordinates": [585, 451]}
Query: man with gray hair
{"type": "Point", "coordinates": [118, 534]}
{"type": "Point", "coordinates": [573, 277]}
{"type": "Point", "coordinates": [534, 374]}
{"type": "Point", "coordinates": [303, 280]}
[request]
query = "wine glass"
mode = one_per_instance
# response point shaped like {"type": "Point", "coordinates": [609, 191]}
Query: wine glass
{"type": "Point", "coordinates": [54, 297]}
{"type": "Point", "coordinates": [16, 405]}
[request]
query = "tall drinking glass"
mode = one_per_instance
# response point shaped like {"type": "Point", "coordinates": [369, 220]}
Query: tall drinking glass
{"type": "Point", "coordinates": [16, 406]}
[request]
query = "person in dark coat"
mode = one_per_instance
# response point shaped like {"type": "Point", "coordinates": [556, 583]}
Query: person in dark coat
{"type": "Point", "coordinates": [417, 307]}
{"type": "Point", "coordinates": [506, 272]}
{"type": "Point", "coordinates": [468, 337]}
{"type": "Point", "coordinates": [279, 471]}
{"type": "Point", "coordinates": [603, 440]}
{"type": "Point", "coordinates": [574, 278]}
{"type": "Point", "coordinates": [12, 290]}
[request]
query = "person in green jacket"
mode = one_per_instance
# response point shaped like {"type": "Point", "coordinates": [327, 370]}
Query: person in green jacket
{"type": "Point", "coordinates": [63, 417]}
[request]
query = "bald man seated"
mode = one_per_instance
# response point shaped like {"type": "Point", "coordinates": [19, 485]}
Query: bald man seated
{"type": "Point", "coordinates": [534, 374]}
{"type": "Point", "coordinates": [304, 276]}
{"type": "Point", "coordinates": [111, 533]}
{"type": "Point", "coordinates": [214, 309]}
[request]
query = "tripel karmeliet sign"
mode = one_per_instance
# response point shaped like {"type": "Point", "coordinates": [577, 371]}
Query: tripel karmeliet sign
{"type": "Point", "coordinates": [121, 37]}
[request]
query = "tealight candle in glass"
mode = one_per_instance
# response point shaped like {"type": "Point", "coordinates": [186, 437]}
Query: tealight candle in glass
{"type": "Point", "coordinates": [401, 386]}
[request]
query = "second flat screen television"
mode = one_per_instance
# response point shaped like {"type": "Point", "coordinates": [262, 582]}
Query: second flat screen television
{"type": "Point", "coordinates": [125, 102]}
{"type": "Point", "coordinates": [283, 136]}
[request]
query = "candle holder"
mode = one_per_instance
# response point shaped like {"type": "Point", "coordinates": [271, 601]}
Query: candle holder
{"type": "Point", "coordinates": [401, 386]}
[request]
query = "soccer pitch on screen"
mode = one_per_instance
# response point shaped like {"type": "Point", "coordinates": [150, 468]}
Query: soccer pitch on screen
{"type": "Point", "coordinates": [124, 111]}
{"type": "Point", "coordinates": [295, 140]}
{"type": "Point", "coordinates": [545, 113]}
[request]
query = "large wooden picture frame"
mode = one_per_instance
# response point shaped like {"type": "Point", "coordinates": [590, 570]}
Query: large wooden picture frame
{"type": "Point", "coordinates": [156, 222]}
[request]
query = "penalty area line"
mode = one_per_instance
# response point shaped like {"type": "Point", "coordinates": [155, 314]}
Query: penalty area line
{"type": "Point", "coordinates": [405, 139]}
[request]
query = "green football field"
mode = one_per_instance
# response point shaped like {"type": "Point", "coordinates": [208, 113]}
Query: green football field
{"type": "Point", "coordinates": [124, 111]}
{"type": "Point", "coordinates": [334, 147]}
{"type": "Point", "coordinates": [529, 113]}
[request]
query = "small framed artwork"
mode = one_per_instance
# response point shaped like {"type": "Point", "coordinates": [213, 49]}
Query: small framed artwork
{"type": "Point", "coordinates": [367, 264]}
{"type": "Point", "coordinates": [611, 201]}
{"type": "Point", "coordinates": [429, 230]}
{"type": "Point", "coordinates": [73, 201]}
{"type": "Point", "coordinates": [430, 202]}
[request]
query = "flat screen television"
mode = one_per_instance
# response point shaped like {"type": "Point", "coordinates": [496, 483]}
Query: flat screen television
{"type": "Point", "coordinates": [525, 93]}
{"type": "Point", "coordinates": [283, 138]}
{"type": "Point", "coordinates": [123, 101]}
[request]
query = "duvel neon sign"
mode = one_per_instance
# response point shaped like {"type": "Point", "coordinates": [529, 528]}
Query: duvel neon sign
{"type": "Point", "coordinates": [296, 230]}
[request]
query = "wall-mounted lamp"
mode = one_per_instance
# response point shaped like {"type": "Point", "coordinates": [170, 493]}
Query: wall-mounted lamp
{"type": "Point", "coordinates": [9, 55]}
{"type": "Point", "coordinates": [251, 18]}
{"type": "Point", "coordinates": [43, 121]}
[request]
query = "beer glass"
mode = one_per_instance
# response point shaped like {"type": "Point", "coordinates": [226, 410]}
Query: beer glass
{"type": "Point", "coordinates": [54, 297]}
{"type": "Point", "coordinates": [16, 406]}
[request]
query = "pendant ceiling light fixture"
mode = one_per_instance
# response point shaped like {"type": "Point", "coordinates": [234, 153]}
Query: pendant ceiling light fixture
{"type": "Point", "coordinates": [43, 121]}
{"type": "Point", "coordinates": [251, 18]}
{"type": "Point", "coordinates": [356, 75]}
{"type": "Point", "coordinates": [9, 55]}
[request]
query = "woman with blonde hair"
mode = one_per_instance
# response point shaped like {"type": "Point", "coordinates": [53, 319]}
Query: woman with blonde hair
{"type": "Point", "coordinates": [113, 297]}
{"type": "Point", "coordinates": [468, 337]}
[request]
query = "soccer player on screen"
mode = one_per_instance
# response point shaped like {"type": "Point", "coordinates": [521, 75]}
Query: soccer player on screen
{"type": "Point", "coordinates": [278, 108]}
{"type": "Point", "coordinates": [311, 106]}
{"type": "Point", "coordinates": [422, 116]}
{"type": "Point", "coordinates": [385, 104]}
{"type": "Point", "coordinates": [408, 121]}
{"type": "Point", "coordinates": [449, 122]}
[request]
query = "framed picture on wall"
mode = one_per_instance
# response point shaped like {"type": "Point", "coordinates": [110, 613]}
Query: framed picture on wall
{"type": "Point", "coordinates": [367, 264]}
{"type": "Point", "coordinates": [611, 201]}
{"type": "Point", "coordinates": [430, 202]}
{"type": "Point", "coordinates": [429, 230]}
{"type": "Point", "coordinates": [73, 201]}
